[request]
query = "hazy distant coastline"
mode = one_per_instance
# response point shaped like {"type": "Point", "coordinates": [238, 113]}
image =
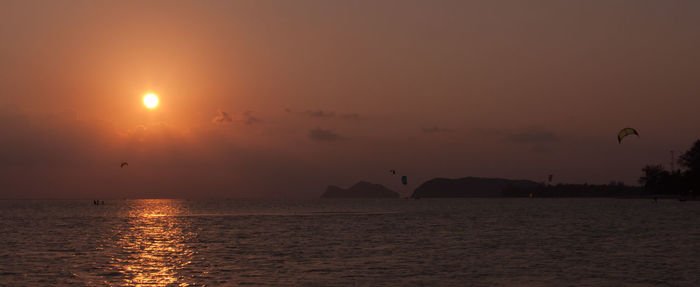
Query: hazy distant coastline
{"type": "Point", "coordinates": [500, 187]}
{"type": "Point", "coordinates": [489, 187]}
{"type": "Point", "coordinates": [578, 190]}
{"type": "Point", "coordinates": [361, 189]}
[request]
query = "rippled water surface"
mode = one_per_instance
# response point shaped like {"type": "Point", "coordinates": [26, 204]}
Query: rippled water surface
{"type": "Point", "coordinates": [465, 242]}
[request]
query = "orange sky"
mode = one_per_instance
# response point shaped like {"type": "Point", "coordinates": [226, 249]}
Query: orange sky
{"type": "Point", "coordinates": [281, 98]}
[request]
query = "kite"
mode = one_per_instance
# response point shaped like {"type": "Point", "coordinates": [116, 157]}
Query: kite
{"type": "Point", "coordinates": [625, 132]}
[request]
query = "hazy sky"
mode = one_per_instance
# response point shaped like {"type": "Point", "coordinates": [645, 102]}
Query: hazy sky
{"type": "Point", "coordinates": [281, 98]}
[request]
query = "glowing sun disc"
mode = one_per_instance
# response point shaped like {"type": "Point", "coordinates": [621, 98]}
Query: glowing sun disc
{"type": "Point", "coordinates": [150, 100]}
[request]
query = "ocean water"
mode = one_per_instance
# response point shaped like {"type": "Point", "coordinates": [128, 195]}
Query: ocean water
{"type": "Point", "coordinates": [438, 242]}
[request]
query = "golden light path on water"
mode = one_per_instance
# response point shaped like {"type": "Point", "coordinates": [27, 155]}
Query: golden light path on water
{"type": "Point", "coordinates": [153, 244]}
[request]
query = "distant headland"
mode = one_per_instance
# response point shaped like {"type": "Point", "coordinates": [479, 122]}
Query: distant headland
{"type": "Point", "coordinates": [361, 189]}
{"type": "Point", "coordinates": [500, 187]}
{"type": "Point", "coordinates": [468, 187]}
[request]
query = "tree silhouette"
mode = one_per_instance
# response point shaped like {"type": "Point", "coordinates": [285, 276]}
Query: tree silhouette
{"type": "Point", "coordinates": [655, 178]}
{"type": "Point", "coordinates": [690, 160]}
{"type": "Point", "coordinates": [681, 183]}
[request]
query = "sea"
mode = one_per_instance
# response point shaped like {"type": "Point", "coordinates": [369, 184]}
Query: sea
{"type": "Point", "coordinates": [398, 242]}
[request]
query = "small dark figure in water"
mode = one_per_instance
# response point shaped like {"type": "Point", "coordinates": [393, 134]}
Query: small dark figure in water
{"type": "Point", "coordinates": [656, 199]}
{"type": "Point", "coordinates": [94, 202]}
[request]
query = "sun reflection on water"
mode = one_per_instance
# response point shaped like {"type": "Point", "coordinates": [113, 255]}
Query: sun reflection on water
{"type": "Point", "coordinates": [153, 244]}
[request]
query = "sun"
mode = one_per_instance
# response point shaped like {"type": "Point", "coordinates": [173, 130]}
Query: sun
{"type": "Point", "coordinates": [150, 100]}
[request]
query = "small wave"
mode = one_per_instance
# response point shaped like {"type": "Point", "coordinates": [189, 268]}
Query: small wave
{"type": "Point", "coordinates": [111, 274]}
{"type": "Point", "coordinates": [62, 250]}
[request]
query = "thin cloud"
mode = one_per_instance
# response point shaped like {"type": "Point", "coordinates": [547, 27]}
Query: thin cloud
{"type": "Point", "coordinates": [222, 118]}
{"type": "Point", "coordinates": [226, 118]}
{"type": "Point", "coordinates": [322, 135]}
{"type": "Point", "coordinates": [249, 119]}
{"type": "Point", "coordinates": [320, 114]}
{"type": "Point", "coordinates": [324, 114]}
